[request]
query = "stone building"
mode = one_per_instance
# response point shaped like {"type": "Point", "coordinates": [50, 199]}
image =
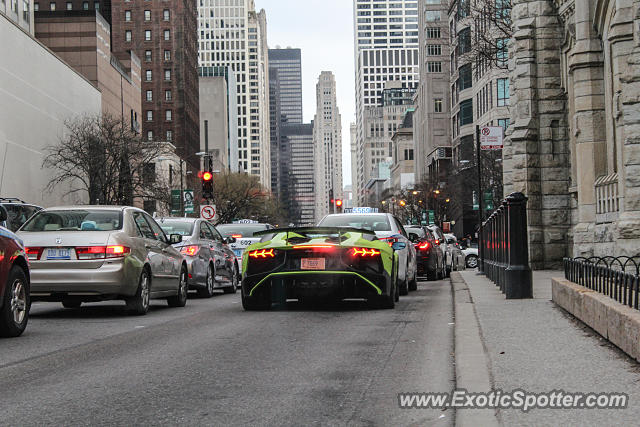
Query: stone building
{"type": "Point", "coordinates": [573, 146]}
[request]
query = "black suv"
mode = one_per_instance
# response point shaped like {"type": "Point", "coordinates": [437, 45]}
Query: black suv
{"type": "Point", "coordinates": [18, 212]}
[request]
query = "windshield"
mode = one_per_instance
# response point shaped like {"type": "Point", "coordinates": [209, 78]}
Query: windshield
{"type": "Point", "coordinates": [367, 222]}
{"type": "Point", "coordinates": [75, 220]}
{"type": "Point", "coordinates": [18, 214]}
{"type": "Point", "coordinates": [183, 228]}
{"type": "Point", "coordinates": [416, 230]}
{"type": "Point", "coordinates": [240, 230]}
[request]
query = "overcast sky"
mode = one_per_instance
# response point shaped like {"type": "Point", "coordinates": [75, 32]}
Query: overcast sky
{"type": "Point", "coordinates": [323, 30]}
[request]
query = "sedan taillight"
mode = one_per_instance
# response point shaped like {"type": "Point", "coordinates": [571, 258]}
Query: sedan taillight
{"type": "Point", "coordinates": [364, 252]}
{"type": "Point", "coordinates": [102, 252]}
{"type": "Point", "coordinates": [424, 246]}
{"type": "Point", "coordinates": [191, 250]}
{"type": "Point", "coordinates": [262, 253]}
{"type": "Point", "coordinates": [33, 253]}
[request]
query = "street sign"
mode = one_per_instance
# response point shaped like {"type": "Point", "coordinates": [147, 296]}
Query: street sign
{"type": "Point", "coordinates": [432, 217]}
{"type": "Point", "coordinates": [446, 227]}
{"type": "Point", "coordinates": [189, 197]}
{"type": "Point", "coordinates": [491, 138]}
{"type": "Point", "coordinates": [175, 202]}
{"type": "Point", "coordinates": [207, 212]}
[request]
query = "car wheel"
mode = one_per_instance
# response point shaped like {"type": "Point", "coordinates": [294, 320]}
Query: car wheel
{"type": "Point", "coordinates": [234, 282]}
{"type": "Point", "coordinates": [139, 303]}
{"type": "Point", "coordinates": [413, 284]}
{"type": "Point", "coordinates": [471, 261]}
{"type": "Point", "coordinates": [69, 303]}
{"type": "Point", "coordinates": [14, 314]}
{"type": "Point", "coordinates": [207, 292]}
{"type": "Point", "coordinates": [255, 302]}
{"type": "Point", "coordinates": [180, 300]}
{"type": "Point", "coordinates": [387, 302]}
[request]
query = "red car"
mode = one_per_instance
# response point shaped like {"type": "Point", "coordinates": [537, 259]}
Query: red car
{"type": "Point", "coordinates": [14, 283]}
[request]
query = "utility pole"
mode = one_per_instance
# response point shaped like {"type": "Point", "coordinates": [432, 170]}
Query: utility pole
{"type": "Point", "coordinates": [480, 204]}
{"type": "Point", "coordinates": [181, 190]}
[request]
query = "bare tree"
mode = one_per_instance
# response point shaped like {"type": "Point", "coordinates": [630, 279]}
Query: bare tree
{"type": "Point", "coordinates": [102, 156]}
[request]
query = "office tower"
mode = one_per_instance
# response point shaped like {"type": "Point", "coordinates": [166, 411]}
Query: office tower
{"type": "Point", "coordinates": [386, 49]}
{"type": "Point", "coordinates": [327, 145]}
{"type": "Point", "coordinates": [299, 140]}
{"type": "Point", "coordinates": [234, 35]}
{"type": "Point", "coordinates": [287, 63]}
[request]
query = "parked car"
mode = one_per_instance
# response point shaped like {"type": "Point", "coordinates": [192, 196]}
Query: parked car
{"type": "Point", "coordinates": [210, 262]}
{"type": "Point", "coordinates": [389, 229]}
{"type": "Point", "coordinates": [243, 235]}
{"type": "Point", "coordinates": [456, 252]}
{"type": "Point", "coordinates": [471, 255]}
{"type": "Point", "coordinates": [14, 283]}
{"type": "Point", "coordinates": [442, 242]}
{"type": "Point", "coordinates": [429, 256]}
{"type": "Point", "coordinates": [18, 212]}
{"type": "Point", "coordinates": [95, 253]}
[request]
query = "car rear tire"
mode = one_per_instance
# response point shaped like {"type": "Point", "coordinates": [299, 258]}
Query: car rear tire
{"type": "Point", "coordinates": [255, 303]}
{"type": "Point", "coordinates": [14, 314]}
{"type": "Point", "coordinates": [207, 292]}
{"type": "Point", "coordinates": [471, 261]}
{"type": "Point", "coordinates": [413, 284]}
{"type": "Point", "coordinates": [404, 285]}
{"type": "Point", "coordinates": [139, 303]}
{"type": "Point", "coordinates": [71, 303]}
{"type": "Point", "coordinates": [180, 299]}
{"type": "Point", "coordinates": [234, 282]}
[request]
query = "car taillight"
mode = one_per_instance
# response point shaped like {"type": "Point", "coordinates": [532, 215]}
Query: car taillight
{"type": "Point", "coordinates": [389, 240]}
{"type": "Point", "coordinates": [262, 253]}
{"type": "Point", "coordinates": [190, 250]}
{"type": "Point", "coordinates": [236, 236]}
{"type": "Point", "coordinates": [424, 246]}
{"type": "Point", "coordinates": [33, 253]}
{"type": "Point", "coordinates": [319, 248]}
{"type": "Point", "coordinates": [437, 242]}
{"type": "Point", "coordinates": [102, 252]}
{"type": "Point", "coordinates": [364, 252]}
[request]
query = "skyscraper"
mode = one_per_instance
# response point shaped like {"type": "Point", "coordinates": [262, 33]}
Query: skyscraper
{"type": "Point", "coordinates": [327, 145]}
{"type": "Point", "coordinates": [288, 64]}
{"type": "Point", "coordinates": [386, 49]}
{"type": "Point", "coordinates": [299, 140]}
{"type": "Point", "coordinates": [235, 35]}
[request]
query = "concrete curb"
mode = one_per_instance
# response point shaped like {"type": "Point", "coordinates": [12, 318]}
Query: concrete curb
{"type": "Point", "coordinates": [471, 360]}
{"type": "Point", "coordinates": [614, 321]}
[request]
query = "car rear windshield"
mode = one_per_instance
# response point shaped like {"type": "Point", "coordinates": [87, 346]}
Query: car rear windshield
{"type": "Point", "coordinates": [18, 214]}
{"type": "Point", "coordinates": [367, 222]}
{"type": "Point", "coordinates": [75, 220]}
{"type": "Point", "coordinates": [241, 230]}
{"type": "Point", "coordinates": [416, 230]}
{"type": "Point", "coordinates": [183, 228]}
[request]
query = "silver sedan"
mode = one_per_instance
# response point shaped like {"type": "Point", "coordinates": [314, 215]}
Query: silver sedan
{"type": "Point", "coordinates": [211, 263]}
{"type": "Point", "coordinates": [94, 253]}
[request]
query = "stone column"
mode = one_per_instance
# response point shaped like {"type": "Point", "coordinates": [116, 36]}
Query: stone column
{"type": "Point", "coordinates": [536, 155]}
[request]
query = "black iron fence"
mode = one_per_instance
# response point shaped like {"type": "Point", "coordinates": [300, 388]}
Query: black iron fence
{"type": "Point", "coordinates": [504, 251]}
{"type": "Point", "coordinates": [616, 277]}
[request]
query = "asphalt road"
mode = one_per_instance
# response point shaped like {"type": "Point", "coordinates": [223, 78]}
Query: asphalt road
{"type": "Point", "coordinates": [211, 363]}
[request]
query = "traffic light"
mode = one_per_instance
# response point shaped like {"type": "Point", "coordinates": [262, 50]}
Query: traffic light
{"type": "Point", "coordinates": [207, 184]}
{"type": "Point", "coordinates": [339, 205]}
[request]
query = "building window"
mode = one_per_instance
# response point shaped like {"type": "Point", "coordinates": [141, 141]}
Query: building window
{"type": "Point", "coordinates": [437, 105]}
{"type": "Point", "coordinates": [464, 41]}
{"type": "Point", "coordinates": [167, 75]}
{"type": "Point", "coordinates": [466, 112]}
{"type": "Point", "coordinates": [52, 6]}
{"type": "Point", "coordinates": [85, 5]}
{"type": "Point", "coordinates": [432, 15]}
{"type": "Point", "coordinates": [149, 95]}
{"type": "Point", "coordinates": [69, 5]}
{"type": "Point", "coordinates": [148, 56]}
{"type": "Point", "coordinates": [147, 35]}
{"type": "Point", "coordinates": [168, 115]}
{"type": "Point", "coordinates": [149, 115]}
{"type": "Point", "coordinates": [434, 50]}
{"type": "Point", "coordinates": [502, 53]}
{"type": "Point", "coordinates": [147, 15]}
{"type": "Point", "coordinates": [167, 55]}
{"type": "Point", "coordinates": [166, 14]}
{"type": "Point", "coordinates": [433, 33]}
{"type": "Point", "coordinates": [434, 67]}
{"type": "Point", "coordinates": [127, 35]}
{"type": "Point", "coordinates": [26, 16]}
{"type": "Point", "coordinates": [465, 80]}
{"type": "Point", "coordinates": [408, 154]}
{"type": "Point", "coordinates": [148, 75]}
{"type": "Point", "coordinates": [36, 6]}
{"type": "Point", "coordinates": [149, 135]}
{"type": "Point", "coordinates": [504, 123]}
{"type": "Point", "coordinates": [96, 5]}
{"type": "Point", "coordinates": [169, 135]}
{"type": "Point", "coordinates": [503, 92]}
{"type": "Point", "coordinates": [127, 15]}
{"type": "Point", "coordinates": [167, 34]}
{"type": "Point", "coordinates": [167, 95]}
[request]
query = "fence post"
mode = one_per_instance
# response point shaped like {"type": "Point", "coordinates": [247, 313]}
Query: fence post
{"type": "Point", "coordinates": [518, 276]}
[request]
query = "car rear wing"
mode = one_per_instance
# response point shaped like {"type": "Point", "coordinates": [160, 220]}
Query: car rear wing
{"type": "Point", "coordinates": [319, 230]}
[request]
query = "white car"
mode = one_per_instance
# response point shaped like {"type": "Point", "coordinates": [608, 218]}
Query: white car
{"type": "Point", "coordinates": [458, 257]}
{"type": "Point", "coordinates": [447, 249]}
{"type": "Point", "coordinates": [470, 257]}
{"type": "Point", "coordinates": [243, 235]}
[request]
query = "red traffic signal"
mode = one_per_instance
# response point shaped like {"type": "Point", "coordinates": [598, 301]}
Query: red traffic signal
{"type": "Point", "coordinates": [207, 176]}
{"type": "Point", "coordinates": [338, 203]}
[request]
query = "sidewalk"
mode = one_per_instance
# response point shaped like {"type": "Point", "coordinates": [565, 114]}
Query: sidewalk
{"type": "Point", "coordinates": [535, 346]}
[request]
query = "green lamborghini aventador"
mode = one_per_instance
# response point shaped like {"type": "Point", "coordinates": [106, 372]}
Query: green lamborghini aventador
{"type": "Point", "coordinates": [319, 263]}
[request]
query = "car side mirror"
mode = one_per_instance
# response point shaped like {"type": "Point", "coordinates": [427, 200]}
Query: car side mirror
{"type": "Point", "coordinates": [175, 238]}
{"type": "Point", "coordinates": [230, 240]}
{"type": "Point", "coordinates": [3, 214]}
{"type": "Point", "coordinates": [398, 246]}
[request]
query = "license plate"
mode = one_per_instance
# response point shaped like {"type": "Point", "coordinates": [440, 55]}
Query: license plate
{"type": "Point", "coordinates": [312, 264]}
{"type": "Point", "coordinates": [58, 254]}
{"type": "Point", "coordinates": [245, 242]}
{"type": "Point", "coordinates": [238, 252]}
